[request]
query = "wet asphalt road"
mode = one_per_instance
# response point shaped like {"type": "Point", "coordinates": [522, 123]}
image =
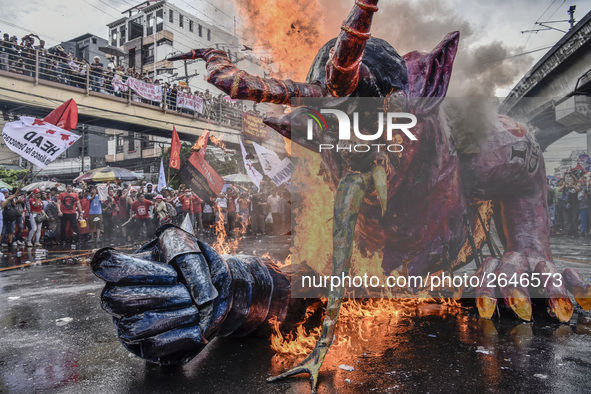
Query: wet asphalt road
{"type": "Point", "coordinates": [54, 337]}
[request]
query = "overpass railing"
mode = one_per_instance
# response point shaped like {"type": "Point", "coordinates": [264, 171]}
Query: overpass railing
{"type": "Point", "coordinates": [42, 67]}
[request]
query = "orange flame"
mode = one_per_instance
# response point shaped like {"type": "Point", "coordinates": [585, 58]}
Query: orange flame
{"type": "Point", "coordinates": [222, 244]}
{"type": "Point", "coordinates": [364, 326]}
{"type": "Point", "coordinates": [486, 210]}
{"type": "Point", "coordinates": [217, 141]}
{"type": "Point", "coordinates": [287, 34]}
{"type": "Point", "coordinates": [199, 143]}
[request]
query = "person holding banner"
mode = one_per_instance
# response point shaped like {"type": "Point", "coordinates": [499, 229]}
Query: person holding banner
{"type": "Point", "coordinates": [36, 217]}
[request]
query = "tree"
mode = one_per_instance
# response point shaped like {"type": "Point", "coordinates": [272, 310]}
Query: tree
{"type": "Point", "coordinates": [11, 176]}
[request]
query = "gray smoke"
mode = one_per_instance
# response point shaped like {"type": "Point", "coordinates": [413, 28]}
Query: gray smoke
{"type": "Point", "coordinates": [479, 68]}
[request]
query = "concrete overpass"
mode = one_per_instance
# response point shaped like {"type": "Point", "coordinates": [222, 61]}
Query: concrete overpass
{"type": "Point", "coordinates": [555, 95]}
{"type": "Point", "coordinates": [23, 94]}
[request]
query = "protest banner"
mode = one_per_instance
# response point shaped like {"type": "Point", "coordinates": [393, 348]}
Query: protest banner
{"type": "Point", "coordinates": [145, 90]}
{"type": "Point", "coordinates": [255, 176]}
{"type": "Point", "coordinates": [189, 101]}
{"type": "Point", "coordinates": [118, 85]}
{"type": "Point", "coordinates": [278, 170]}
{"type": "Point", "coordinates": [37, 141]}
{"type": "Point", "coordinates": [253, 127]}
{"type": "Point", "coordinates": [42, 141]}
{"type": "Point", "coordinates": [201, 177]}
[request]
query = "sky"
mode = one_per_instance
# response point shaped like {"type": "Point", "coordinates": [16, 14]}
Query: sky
{"type": "Point", "coordinates": [501, 20]}
{"type": "Point", "coordinates": [491, 31]}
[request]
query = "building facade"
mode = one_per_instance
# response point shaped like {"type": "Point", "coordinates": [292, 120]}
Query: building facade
{"type": "Point", "coordinates": [154, 30]}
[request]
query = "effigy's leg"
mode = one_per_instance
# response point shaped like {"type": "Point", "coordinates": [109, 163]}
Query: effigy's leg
{"type": "Point", "coordinates": [349, 196]}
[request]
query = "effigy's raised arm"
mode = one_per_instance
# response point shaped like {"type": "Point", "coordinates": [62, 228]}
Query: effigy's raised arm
{"type": "Point", "coordinates": [244, 86]}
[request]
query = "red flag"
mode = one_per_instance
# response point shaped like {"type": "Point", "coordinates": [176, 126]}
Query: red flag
{"type": "Point", "coordinates": [579, 167]}
{"type": "Point", "coordinates": [64, 116]}
{"type": "Point", "coordinates": [200, 145]}
{"type": "Point", "coordinates": [175, 150]}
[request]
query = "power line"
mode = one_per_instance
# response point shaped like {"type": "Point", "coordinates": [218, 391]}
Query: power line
{"type": "Point", "coordinates": [28, 30]}
{"type": "Point", "coordinates": [101, 10]}
{"type": "Point", "coordinates": [556, 10]}
{"type": "Point", "coordinates": [109, 5]}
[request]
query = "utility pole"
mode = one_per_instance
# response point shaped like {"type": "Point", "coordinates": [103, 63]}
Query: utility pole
{"type": "Point", "coordinates": [186, 73]}
{"type": "Point", "coordinates": [154, 31]}
{"type": "Point", "coordinates": [571, 12]}
{"type": "Point", "coordinates": [83, 147]}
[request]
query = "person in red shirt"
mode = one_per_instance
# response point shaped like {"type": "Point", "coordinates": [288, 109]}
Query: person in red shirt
{"type": "Point", "coordinates": [85, 205]}
{"type": "Point", "coordinates": [67, 203]}
{"type": "Point", "coordinates": [187, 203]}
{"type": "Point", "coordinates": [35, 213]}
{"type": "Point", "coordinates": [196, 211]}
{"type": "Point", "coordinates": [140, 210]}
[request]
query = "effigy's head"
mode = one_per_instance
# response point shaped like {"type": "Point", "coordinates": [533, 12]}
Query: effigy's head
{"type": "Point", "coordinates": [382, 70]}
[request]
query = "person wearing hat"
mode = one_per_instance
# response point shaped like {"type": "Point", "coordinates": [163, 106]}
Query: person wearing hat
{"type": "Point", "coordinates": [161, 210]}
{"type": "Point", "coordinates": [36, 217]}
{"type": "Point", "coordinates": [96, 74]}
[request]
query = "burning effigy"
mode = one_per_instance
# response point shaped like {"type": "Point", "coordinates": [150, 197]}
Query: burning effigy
{"type": "Point", "coordinates": [425, 209]}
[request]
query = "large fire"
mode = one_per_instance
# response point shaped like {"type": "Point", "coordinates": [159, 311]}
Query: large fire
{"type": "Point", "coordinates": [286, 33]}
{"type": "Point", "coordinates": [364, 327]}
{"type": "Point", "coordinates": [289, 33]}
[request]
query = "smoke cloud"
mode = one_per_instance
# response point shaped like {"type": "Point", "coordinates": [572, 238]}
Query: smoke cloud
{"type": "Point", "coordinates": [292, 32]}
{"type": "Point", "coordinates": [303, 26]}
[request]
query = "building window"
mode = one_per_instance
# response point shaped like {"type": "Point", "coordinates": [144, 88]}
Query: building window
{"type": "Point", "coordinates": [94, 40]}
{"type": "Point", "coordinates": [120, 144]}
{"type": "Point", "coordinates": [180, 21]}
{"type": "Point", "coordinates": [131, 145]}
{"type": "Point", "coordinates": [136, 28]}
{"type": "Point", "coordinates": [170, 16]}
{"type": "Point", "coordinates": [122, 36]}
{"type": "Point", "coordinates": [146, 143]}
{"type": "Point", "coordinates": [148, 52]}
{"type": "Point", "coordinates": [208, 35]}
{"type": "Point", "coordinates": [164, 41]}
{"type": "Point", "coordinates": [200, 28]}
{"type": "Point", "coordinates": [150, 28]}
{"type": "Point", "coordinates": [191, 26]}
{"type": "Point", "coordinates": [159, 20]}
{"type": "Point", "coordinates": [114, 37]}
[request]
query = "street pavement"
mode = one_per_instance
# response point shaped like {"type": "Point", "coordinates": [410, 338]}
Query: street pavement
{"type": "Point", "coordinates": [54, 337]}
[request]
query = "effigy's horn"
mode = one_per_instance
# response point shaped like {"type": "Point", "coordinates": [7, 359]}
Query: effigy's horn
{"type": "Point", "coordinates": [342, 69]}
{"type": "Point", "coordinates": [241, 85]}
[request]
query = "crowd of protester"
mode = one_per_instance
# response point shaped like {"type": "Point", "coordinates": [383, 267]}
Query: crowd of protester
{"type": "Point", "coordinates": [117, 214]}
{"type": "Point", "coordinates": [57, 65]}
{"type": "Point", "coordinates": [569, 205]}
